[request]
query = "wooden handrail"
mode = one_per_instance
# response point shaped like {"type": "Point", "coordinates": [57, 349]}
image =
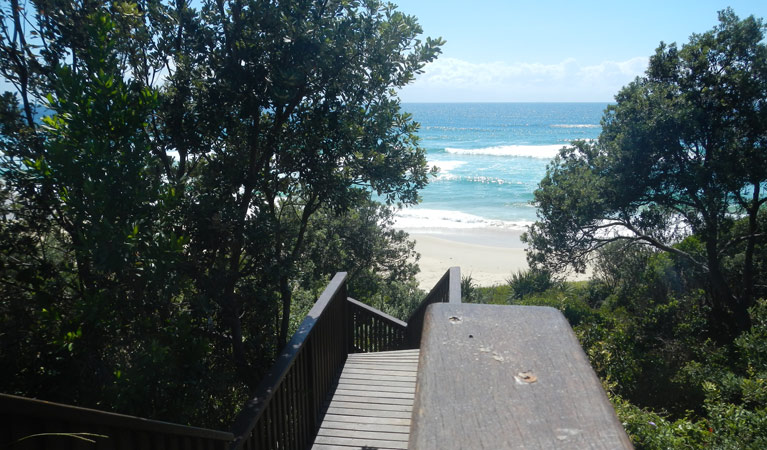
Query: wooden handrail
{"type": "Point", "coordinates": [373, 330]}
{"type": "Point", "coordinates": [51, 424]}
{"type": "Point", "coordinates": [497, 376]}
{"type": "Point", "coordinates": [447, 290]}
{"type": "Point", "coordinates": [379, 314]}
{"type": "Point", "coordinates": [286, 409]}
{"type": "Point", "coordinates": [454, 289]}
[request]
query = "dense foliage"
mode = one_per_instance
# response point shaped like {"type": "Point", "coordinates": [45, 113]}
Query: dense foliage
{"type": "Point", "coordinates": [667, 210]}
{"type": "Point", "coordinates": [642, 326]}
{"type": "Point", "coordinates": [682, 152]}
{"type": "Point", "coordinates": [169, 171]}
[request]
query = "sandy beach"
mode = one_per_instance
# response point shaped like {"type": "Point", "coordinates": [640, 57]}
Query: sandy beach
{"type": "Point", "coordinates": [489, 256]}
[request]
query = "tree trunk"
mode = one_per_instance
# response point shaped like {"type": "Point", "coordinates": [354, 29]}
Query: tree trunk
{"type": "Point", "coordinates": [726, 320]}
{"type": "Point", "coordinates": [287, 266]}
{"type": "Point", "coordinates": [238, 347]}
{"type": "Point", "coordinates": [231, 309]}
{"type": "Point", "coordinates": [747, 299]}
{"type": "Point", "coordinates": [21, 65]}
{"type": "Point", "coordinates": [287, 297]}
{"type": "Point", "coordinates": [232, 318]}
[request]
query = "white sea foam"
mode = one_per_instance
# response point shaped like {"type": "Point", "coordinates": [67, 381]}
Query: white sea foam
{"type": "Point", "coordinates": [524, 151]}
{"type": "Point", "coordinates": [415, 219]}
{"type": "Point", "coordinates": [575, 125]}
{"type": "Point", "coordinates": [446, 166]}
{"type": "Point", "coordinates": [476, 179]}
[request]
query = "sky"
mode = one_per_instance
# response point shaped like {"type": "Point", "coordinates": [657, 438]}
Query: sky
{"type": "Point", "coordinates": [551, 50]}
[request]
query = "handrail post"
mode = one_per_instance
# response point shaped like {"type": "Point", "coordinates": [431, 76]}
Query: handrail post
{"type": "Point", "coordinates": [447, 290]}
{"type": "Point", "coordinates": [454, 290]}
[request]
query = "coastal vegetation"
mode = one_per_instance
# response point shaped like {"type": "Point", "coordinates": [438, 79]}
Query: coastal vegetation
{"type": "Point", "coordinates": [179, 183]}
{"type": "Point", "coordinates": [667, 207]}
{"type": "Point", "coordinates": [177, 180]}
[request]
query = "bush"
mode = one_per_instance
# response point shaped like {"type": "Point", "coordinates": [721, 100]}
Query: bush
{"type": "Point", "coordinates": [469, 293]}
{"type": "Point", "coordinates": [527, 282]}
{"type": "Point", "coordinates": [649, 430]}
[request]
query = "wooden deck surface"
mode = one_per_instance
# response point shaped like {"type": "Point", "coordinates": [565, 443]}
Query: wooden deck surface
{"type": "Point", "coordinates": [372, 403]}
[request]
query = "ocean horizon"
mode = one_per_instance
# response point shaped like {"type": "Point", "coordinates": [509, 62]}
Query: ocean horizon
{"type": "Point", "coordinates": [491, 158]}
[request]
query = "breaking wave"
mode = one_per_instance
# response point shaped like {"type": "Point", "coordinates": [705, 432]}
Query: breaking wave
{"type": "Point", "coordinates": [519, 151]}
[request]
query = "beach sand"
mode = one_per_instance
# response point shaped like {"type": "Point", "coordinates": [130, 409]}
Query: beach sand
{"type": "Point", "coordinates": [489, 256]}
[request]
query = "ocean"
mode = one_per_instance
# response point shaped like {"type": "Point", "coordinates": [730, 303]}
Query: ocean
{"type": "Point", "coordinates": [491, 157]}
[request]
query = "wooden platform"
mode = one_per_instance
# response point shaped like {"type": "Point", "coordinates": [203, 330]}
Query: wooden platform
{"type": "Point", "coordinates": [372, 403]}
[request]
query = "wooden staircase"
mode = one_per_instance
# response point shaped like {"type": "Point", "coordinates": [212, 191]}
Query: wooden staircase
{"type": "Point", "coordinates": [372, 402]}
{"type": "Point", "coordinates": [454, 376]}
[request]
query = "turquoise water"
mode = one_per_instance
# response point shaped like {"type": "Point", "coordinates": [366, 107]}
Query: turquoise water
{"type": "Point", "coordinates": [491, 157]}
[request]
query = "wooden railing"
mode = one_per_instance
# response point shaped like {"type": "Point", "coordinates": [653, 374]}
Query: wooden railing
{"type": "Point", "coordinates": [507, 364]}
{"type": "Point", "coordinates": [286, 409]}
{"type": "Point", "coordinates": [34, 424]}
{"type": "Point", "coordinates": [500, 376]}
{"type": "Point", "coordinates": [374, 331]}
{"type": "Point", "coordinates": [285, 412]}
{"type": "Point", "coordinates": [447, 290]}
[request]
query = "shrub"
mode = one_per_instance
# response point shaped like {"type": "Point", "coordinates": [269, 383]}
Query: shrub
{"type": "Point", "coordinates": [527, 282]}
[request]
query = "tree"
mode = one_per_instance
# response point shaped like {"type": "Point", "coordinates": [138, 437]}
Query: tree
{"type": "Point", "coordinates": [90, 291]}
{"type": "Point", "coordinates": [682, 152]}
{"type": "Point", "coordinates": [361, 242]}
{"type": "Point", "coordinates": [305, 117]}
{"type": "Point", "coordinates": [166, 194]}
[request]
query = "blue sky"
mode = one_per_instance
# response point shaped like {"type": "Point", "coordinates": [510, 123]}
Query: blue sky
{"type": "Point", "coordinates": [551, 50]}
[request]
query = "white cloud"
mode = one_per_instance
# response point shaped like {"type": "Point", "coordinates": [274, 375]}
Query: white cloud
{"type": "Point", "coordinates": [614, 71]}
{"type": "Point", "coordinates": [451, 79]}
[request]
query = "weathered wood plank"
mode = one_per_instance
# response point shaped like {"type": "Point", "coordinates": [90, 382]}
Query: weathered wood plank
{"type": "Point", "coordinates": [360, 434]}
{"type": "Point", "coordinates": [384, 362]}
{"type": "Point", "coordinates": [393, 370]}
{"type": "Point", "coordinates": [342, 390]}
{"type": "Point", "coordinates": [366, 405]}
{"type": "Point", "coordinates": [356, 426]}
{"type": "Point", "coordinates": [377, 400]}
{"type": "Point", "coordinates": [385, 356]}
{"type": "Point", "coordinates": [395, 353]}
{"type": "Point", "coordinates": [507, 377]}
{"type": "Point", "coordinates": [363, 374]}
{"type": "Point", "coordinates": [361, 443]}
{"type": "Point", "coordinates": [371, 420]}
{"type": "Point", "coordinates": [388, 376]}
{"type": "Point", "coordinates": [382, 413]}
{"type": "Point", "coordinates": [367, 374]}
{"type": "Point", "coordinates": [364, 382]}
{"type": "Point", "coordinates": [410, 389]}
